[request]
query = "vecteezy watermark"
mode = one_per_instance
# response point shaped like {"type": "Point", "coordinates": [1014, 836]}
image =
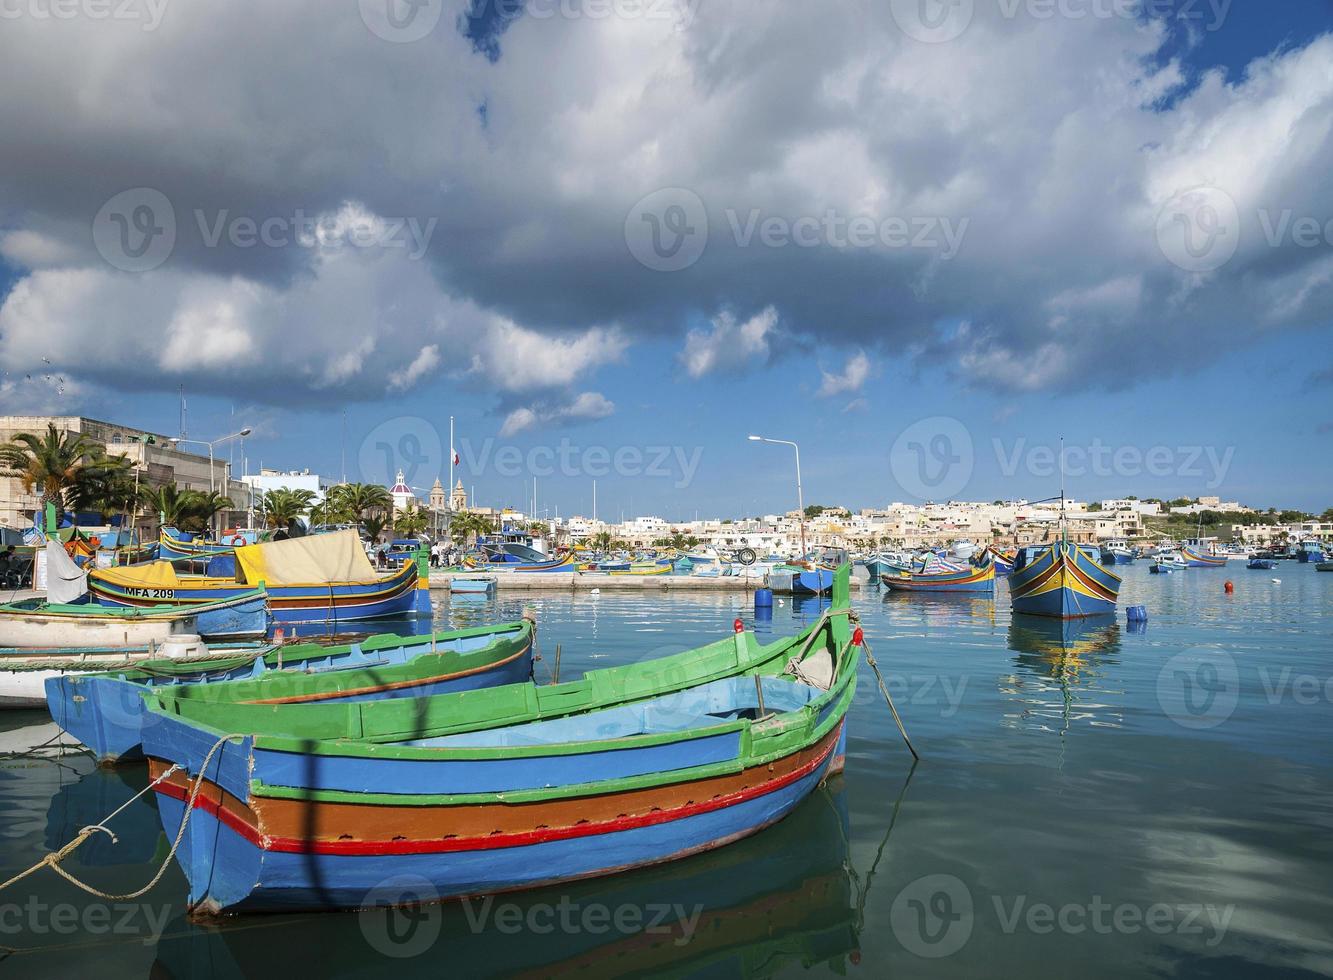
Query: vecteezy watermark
{"type": "Point", "coordinates": [146, 13]}
{"type": "Point", "coordinates": [325, 232]}
{"type": "Point", "coordinates": [932, 458]}
{"type": "Point", "coordinates": [1199, 688]}
{"type": "Point", "coordinates": [570, 918]}
{"type": "Point", "coordinates": [1198, 229]}
{"type": "Point", "coordinates": [938, 21]}
{"type": "Point", "coordinates": [675, 463]}
{"type": "Point", "coordinates": [935, 915]}
{"type": "Point", "coordinates": [1207, 463]}
{"type": "Point", "coordinates": [400, 917]}
{"type": "Point", "coordinates": [835, 230]}
{"type": "Point", "coordinates": [667, 230]}
{"type": "Point", "coordinates": [95, 919]}
{"type": "Point", "coordinates": [404, 21]}
{"type": "Point", "coordinates": [136, 230]}
{"type": "Point", "coordinates": [407, 444]}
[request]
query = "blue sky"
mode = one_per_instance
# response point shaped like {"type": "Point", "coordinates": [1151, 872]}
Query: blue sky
{"type": "Point", "coordinates": [534, 319]}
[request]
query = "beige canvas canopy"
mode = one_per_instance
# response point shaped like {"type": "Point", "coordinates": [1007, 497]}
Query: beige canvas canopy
{"type": "Point", "coordinates": [324, 559]}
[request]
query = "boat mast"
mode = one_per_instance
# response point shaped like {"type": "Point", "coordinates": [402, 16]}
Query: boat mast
{"type": "Point", "coordinates": [1064, 526]}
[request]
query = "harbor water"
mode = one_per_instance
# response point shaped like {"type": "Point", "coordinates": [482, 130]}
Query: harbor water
{"type": "Point", "coordinates": [1094, 799]}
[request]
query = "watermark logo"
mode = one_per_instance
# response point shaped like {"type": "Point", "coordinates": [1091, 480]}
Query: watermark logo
{"type": "Point", "coordinates": [147, 13]}
{"type": "Point", "coordinates": [38, 918]}
{"type": "Point", "coordinates": [1198, 229]}
{"type": "Point", "coordinates": [401, 917]}
{"type": "Point", "coordinates": [932, 917]}
{"type": "Point", "coordinates": [406, 444]}
{"type": "Point", "coordinates": [933, 458]}
{"type": "Point", "coordinates": [932, 21]}
{"type": "Point", "coordinates": [571, 918]}
{"type": "Point", "coordinates": [667, 230]}
{"type": "Point", "coordinates": [135, 230]}
{"type": "Point", "coordinates": [1199, 688]}
{"type": "Point", "coordinates": [401, 21]}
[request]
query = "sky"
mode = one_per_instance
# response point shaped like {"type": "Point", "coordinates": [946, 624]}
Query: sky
{"type": "Point", "coordinates": [926, 241]}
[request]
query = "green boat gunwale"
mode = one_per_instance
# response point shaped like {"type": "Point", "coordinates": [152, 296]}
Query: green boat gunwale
{"type": "Point", "coordinates": [597, 689]}
{"type": "Point", "coordinates": [798, 728]}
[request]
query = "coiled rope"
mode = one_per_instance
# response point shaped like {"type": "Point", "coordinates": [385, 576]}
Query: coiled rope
{"type": "Point", "coordinates": [53, 859]}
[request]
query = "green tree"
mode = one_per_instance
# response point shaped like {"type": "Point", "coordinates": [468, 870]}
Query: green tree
{"type": "Point", "coordinates": [54, 463]}
{"type": "Point", "coordinates": [331, 510]}
{"type": "Point", "coordinates": [107, 490]}
{"type": "Point", "coordinates": [411, 522]}
{"type": "Point", "coordinates": [361, 499]}
{"type": "Point", "coordinates": [172, 505]}
{"type": "Point", "coordinates": [374, 526]}
{"type": "Point", "coordinates": [282, 505]}
{"type": "Point", "coordinates": [465, 525]}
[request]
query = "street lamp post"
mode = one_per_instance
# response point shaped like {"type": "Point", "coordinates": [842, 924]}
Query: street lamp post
{"type": "Point", "coordinates": [800, 499]}
{"type": "Point", "coordinates": [212, 485]}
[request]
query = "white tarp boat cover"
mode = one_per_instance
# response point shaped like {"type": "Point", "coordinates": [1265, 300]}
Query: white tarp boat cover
{"type": "Point", "coordinates": [333, 558]}
{"type": "Point", "coordinates": [65, 581]}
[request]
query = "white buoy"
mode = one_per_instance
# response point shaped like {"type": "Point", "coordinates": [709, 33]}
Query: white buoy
{"type": "Point", "coordinates": [781, 603]}
{"type": "Point", "coordinates": [595, 592]}
{"type": "Point", "coordinates": [1277, 581]}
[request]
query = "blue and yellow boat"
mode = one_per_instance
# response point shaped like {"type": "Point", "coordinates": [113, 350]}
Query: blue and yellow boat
{"type": "Point", "coordinates": [1195, 558]}
{"type": "Point", "coordinates": [324, 578]}
{"type": "Point", "coordinates": [1063, 580]}
{"type": "Point", "coordinates": [173, 544]}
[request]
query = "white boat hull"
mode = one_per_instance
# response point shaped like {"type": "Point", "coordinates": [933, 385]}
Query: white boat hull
{"type": "Point", "coordinates": [23, 673]}
{"type": "Point", "coordinates": [39, 630]}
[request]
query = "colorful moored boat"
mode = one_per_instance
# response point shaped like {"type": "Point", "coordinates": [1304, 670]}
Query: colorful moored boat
{"type": "Point", "coordinates": [1062, 580]}
{"type": "Point", "coordinates": [323, 578]}
{"type": "Point", "coordinates": [173, 544]}
{"type": "Point", "coordinates": [967, 579]}
{"type": "Point", "coordinates": [324, 806]}
{"type": "Point", "coordinates": [105, 711]}
{"type": "Point", "coordinates": [1196, 558]}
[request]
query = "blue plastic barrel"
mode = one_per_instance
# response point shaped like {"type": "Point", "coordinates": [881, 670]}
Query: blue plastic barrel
{"type": "Point", "coordinates": [1136, 614]}
{"type": "Point", "coordinates": [763, 598]}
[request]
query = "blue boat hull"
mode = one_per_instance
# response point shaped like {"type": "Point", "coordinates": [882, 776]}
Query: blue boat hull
{"type": "Point", "coordinates": [228, 872]}
{"type": "Point", "coordinates": [816, 582]}
{"type": "Point", "coordinates": [1063, 582]}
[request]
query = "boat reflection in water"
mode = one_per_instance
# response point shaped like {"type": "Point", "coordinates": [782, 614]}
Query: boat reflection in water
{"type": "Point", "coordinates": [943, 608]}
{"type": "Point", "coordinates": [784, 898]}
{"type": "Point", "coordinates": [1067, 658]}
{"type": "Point", "coordinates": [85, 801]}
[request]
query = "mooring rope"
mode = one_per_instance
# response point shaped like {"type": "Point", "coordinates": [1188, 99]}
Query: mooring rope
{"type": "Point", "coordinates": [888, 698]}
{"type": "Point", "coordinates": [54, 858]}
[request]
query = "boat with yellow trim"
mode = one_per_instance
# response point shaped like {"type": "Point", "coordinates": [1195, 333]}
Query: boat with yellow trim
{"type": "Point", "coordinates": [323, 578]}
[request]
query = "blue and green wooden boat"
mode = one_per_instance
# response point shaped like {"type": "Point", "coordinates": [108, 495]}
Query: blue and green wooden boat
{"type": "Point", "coordinates": [969, 579]}
{"type": "Point", "coordinates": [105, 711]}
{"type": "Point", "coordinates": [327, 805]}
{"type": "Point", "coordinates": [173, 543]}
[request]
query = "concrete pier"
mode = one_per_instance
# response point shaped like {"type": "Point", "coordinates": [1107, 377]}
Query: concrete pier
{"type": "Point", "coordinates": [586, 581]}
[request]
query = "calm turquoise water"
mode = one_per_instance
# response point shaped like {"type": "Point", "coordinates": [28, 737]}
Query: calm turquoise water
{"type": "Point", "coordinates": [1090, 802]}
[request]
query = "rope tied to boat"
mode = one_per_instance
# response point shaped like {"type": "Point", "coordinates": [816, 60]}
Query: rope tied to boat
{"type": "Point", "coordinates": [53, 859]}
{"type": "Point", "coordinates": [888, 698]}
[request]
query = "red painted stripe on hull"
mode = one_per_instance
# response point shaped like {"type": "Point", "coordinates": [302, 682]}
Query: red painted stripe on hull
{"type": "Point", "coordinates": [494, 842]}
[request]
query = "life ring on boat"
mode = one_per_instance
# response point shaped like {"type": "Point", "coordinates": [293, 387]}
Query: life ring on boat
{"type": "Point", "coordinates": [746, 556]}
{"type": "Point", "coordinates": [237, 540]}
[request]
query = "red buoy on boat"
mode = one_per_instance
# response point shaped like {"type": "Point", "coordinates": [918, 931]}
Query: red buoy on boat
{"type": "Point", "coordinates": [858, 637]}
{"type": "Point", "coordinates": [738, 626]}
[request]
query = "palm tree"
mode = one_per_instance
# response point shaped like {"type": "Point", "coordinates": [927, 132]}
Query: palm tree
{"type": "Point", "coordinates": [332, 510]}
{"type": "Point", "coordinates": [466, 524]}
{"type": "Point", "coordinates": [283, 505]}
{"type": "Point", "coordinates": [205, 507]}
{"type": "Point", "coordinates": [108, 490]}
{"type": "Point", "coordinates": [374, 526]}
{"type": "Point", "coordinates": [361, 499]}
{"type": "Point", "coordinates": [411, 522]}
{"type": "Point", "coordinates": [173, 505]}
{"type": "Point", "coordinates": [52, 464]}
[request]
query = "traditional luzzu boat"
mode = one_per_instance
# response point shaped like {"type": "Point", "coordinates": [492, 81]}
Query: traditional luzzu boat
{"type": "Point", "coordinates": [1261, 564]}
{"type": "Point", "coordinates": [1002, 560]}
{"type": "Point", "coordinates": [645, 568]}
{"type": "Point", "coordinates": [322, 578]}
{"type": "Point", "coordinates": [105, 711]}
{"type": "Point", "coordinates": [328, 806]}
{"type": "Point", "coordinates": [939, 575]}
{"type": "Point", "coordinates": [67, 619]}
{"type": "Point", "coordinates": [1196, 558]}
{"type": "Point", "coordinates": [1063, 580]}
{"type": "Point", "coordinates": [563, 564]}
{"type": "Point", "coordinates": [173, 543]}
